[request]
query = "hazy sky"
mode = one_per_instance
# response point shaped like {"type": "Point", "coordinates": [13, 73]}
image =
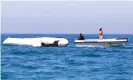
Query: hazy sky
{"type": "Point", "coordinates": [67, 17]}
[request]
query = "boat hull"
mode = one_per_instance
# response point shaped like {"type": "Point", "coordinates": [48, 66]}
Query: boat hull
{"type": "Point", "coordinates": [101, 43]}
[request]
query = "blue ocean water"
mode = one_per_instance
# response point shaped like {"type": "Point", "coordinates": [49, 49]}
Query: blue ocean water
{"type": "Point", "coordinates": [66, 63]}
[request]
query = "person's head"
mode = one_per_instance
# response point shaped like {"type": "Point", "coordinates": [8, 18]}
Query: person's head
{"type": "Point", "coordinates": [100, 29]}
{"type": "Point", "coordinates": [80, 34]}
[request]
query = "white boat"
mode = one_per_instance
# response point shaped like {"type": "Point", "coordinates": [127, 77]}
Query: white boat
{"type": "Point", "coordinates": [101, 43]}
{"type": "Point", "coordinates": [37, 42]}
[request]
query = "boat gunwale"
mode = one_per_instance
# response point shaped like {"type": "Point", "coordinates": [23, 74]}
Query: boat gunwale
{"type": "Point", "coordinates": [101, 42]}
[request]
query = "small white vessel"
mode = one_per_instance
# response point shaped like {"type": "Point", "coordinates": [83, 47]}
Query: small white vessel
{"type": "Point", "coordinates": [37, 42]}
{"type": "Point", "coordinates": [101, 43]}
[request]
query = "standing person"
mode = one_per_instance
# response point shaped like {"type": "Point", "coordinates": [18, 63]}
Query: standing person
{"type": "Point", "coordinates": [81, 37]}
{"type": "Point", "coordinates": [100, 33]}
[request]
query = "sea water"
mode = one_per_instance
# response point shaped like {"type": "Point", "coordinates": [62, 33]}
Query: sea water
{"type": "Point", "coordinates": [66, 63]}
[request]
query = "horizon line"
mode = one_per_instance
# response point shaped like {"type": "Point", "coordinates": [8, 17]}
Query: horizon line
{"type": "Point", "coordinates": [65, 33]}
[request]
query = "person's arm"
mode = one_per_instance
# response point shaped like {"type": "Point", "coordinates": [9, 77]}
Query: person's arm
{"type": "Point", "coordinates": [99, 32]}
{"type": "Point", "coordinates": [79, 38]}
